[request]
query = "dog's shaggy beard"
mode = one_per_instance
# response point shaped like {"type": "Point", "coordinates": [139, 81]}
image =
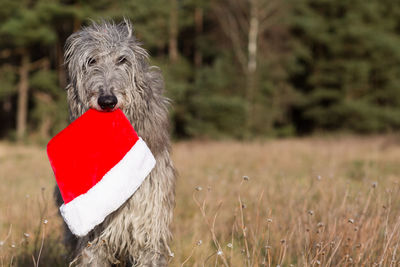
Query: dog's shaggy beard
{"type": "Point", "coordinates": [106, 59]}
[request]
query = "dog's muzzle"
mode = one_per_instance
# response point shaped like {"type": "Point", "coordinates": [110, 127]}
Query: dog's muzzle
{"type": "Point", "coordinates": [107, 102]}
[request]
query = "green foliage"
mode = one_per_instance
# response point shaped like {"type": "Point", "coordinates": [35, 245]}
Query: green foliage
{"type": "Point", "coordinates": [177, 77]}
{"type": "Point", "coordinates": [46, 81]}
{"type": "Point", "coordinates": [7, 81]}
{"type": "Point", "coordinates": [218, 116]}
{"type": "Point", "coordinates": [348, 56]}
{"type": "Point", "coordinates": [150, 22]}
{"type": "Point", "coordinates": [322, 65]}
{"type": "Point", "coordinates": [27, 27]}
{"type": "Point", "coordinates": [215, 105]}
{"type": "Point", "coordinates": [205, 106]}
{"type": "Point", "coordinates": [50, 101]}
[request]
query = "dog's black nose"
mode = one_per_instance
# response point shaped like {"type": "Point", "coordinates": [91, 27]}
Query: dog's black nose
{"type": "Point", "coordinates": [107, 102]}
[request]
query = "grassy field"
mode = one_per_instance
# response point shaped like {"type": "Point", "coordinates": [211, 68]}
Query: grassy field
{"type": "Point", "coordinates": [297, 202]}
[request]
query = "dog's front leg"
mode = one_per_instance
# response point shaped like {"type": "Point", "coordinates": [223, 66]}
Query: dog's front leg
{"type": "Point", "coordinates": [92, 257]}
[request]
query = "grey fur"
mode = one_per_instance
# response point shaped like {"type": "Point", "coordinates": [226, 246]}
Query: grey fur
{"type": "Point", "coordinates": [105, 58]}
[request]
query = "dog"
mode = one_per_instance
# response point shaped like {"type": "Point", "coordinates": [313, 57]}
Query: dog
{"type": "Point", "coordinates": [107, 69]}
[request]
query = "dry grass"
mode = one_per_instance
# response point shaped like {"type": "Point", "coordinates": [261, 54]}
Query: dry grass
{"type": "Point", "coordinates": [305, 202]}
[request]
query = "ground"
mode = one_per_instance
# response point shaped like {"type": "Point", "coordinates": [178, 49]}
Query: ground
{"type": "Point", "coordinates": [307, 202]}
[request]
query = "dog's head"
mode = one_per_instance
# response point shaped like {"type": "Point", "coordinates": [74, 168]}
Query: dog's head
{"type": "Point", "coordinates": [106, 66]}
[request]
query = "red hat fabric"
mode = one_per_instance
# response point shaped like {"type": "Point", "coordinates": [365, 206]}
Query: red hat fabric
{"type": "Point", "coordinates": [99, 162]}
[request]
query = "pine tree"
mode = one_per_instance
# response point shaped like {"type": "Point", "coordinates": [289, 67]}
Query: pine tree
{"type": "Point", "coordinates": [348, 55]}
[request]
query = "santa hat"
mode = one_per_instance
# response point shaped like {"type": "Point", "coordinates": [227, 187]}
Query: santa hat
{"type": "Point", "coordinates": [99, 162]}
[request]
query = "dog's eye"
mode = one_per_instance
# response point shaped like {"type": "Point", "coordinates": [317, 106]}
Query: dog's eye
{"type": "Point", "coordinates": [121, 60]}
{"type": "Point", "coordinates": [91, 61]}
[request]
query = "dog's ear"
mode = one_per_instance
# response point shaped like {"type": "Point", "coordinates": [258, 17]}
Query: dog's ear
{"type": "Point", "coordinates": [155, 80]}
{"type": "Point", "coordinates": [127, 25]}
{"type": "Point", "coordinates": [69, 47]}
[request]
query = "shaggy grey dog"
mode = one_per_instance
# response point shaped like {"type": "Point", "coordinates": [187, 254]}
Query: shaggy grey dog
{"type": "Point", "coordinates": [108, 69]}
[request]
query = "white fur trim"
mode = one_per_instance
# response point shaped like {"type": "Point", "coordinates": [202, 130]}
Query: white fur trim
{"type": "Point", "coordinates": [86, 211]}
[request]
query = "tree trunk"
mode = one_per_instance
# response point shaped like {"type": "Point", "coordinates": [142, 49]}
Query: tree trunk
{"type": "Point", "coordinates": [253, 34]}
{"type": "Point", "coordinates": [198, 20]}
{"type": "Point", "coordinates": [173, 31]}
{"type": "Point", "coordinates": [23, 86]}
{"type": "Point", "coordinates": [252, 60]}
{"type": "Point", "coordinates": [77, 23]}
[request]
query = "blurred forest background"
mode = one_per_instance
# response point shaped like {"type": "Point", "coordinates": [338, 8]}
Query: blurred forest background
{"type": "Point", "coordinates": [233, 68]}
